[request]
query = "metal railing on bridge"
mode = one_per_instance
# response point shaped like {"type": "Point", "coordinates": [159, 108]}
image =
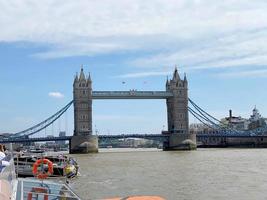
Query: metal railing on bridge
{"type": "Point", "coordinates": [159, 137]}
{"type": "Point", "coordinates": [37, 139]}
{"type": "Point", "coordinates": [132, 94]}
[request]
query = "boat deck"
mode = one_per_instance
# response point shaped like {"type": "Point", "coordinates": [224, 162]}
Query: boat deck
{"type": "Point", "coordinates": [12, 188]}
{"type": "Point", "coordinates": [43, 190]}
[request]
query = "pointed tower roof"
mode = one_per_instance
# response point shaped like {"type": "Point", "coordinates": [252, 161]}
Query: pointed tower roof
{"type": "Point", "coordinates": [176, 74]}
{"type": "Point", "coordinates": [167, 81]}
{"type": "Point", "coordinates": [185, 79]}
{"type": "Point", "coordinates": [76, 78]}
{"type": "Point", "coordinates": [89, 78]}
{"type": "Point", "coordinates": [82, 76]}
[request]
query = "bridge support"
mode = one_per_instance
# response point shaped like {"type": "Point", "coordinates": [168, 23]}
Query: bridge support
{"type": "Point", "coordinates": [83, 144]}
{"type": "Point", "coordinates": [180, 141]}
{"type": "Point", "coordinates": [177, 111]}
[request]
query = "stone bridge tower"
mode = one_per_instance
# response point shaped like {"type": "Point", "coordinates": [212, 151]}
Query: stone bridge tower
{"type": "Point", "coordinates": [83, 141]}
{"type": "Point", "coordinates": [82, 96]}
{"type": "Point", "coordinates": [177, 114]}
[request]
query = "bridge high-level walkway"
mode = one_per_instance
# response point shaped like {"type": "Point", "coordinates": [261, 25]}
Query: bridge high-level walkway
{"type": "Point", "coordinates": [132, 94]}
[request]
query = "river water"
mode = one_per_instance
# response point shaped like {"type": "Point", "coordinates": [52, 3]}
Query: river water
{"type": "Point", "coordinates": [202, 174]}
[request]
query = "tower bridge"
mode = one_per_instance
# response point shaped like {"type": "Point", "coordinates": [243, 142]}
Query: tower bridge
{"type": "Point", "coordinates": [176, 96]}
{"type": "Point", "coordinates": [177, 137]}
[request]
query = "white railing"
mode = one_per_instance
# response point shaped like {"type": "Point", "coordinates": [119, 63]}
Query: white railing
{"type": "Point", "coordinates": [8, 177]}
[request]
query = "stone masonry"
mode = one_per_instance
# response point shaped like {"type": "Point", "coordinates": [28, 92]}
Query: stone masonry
{"type": "Point", "coordinates": [177, 113]}
{"type": "Point", "coordinates": [83, 141]}
{"type": "Point", "coordinates": [82, 96]}
{"type": "Point", "coordinates": [177, 106]}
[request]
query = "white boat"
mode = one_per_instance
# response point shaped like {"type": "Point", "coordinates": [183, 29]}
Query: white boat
{"type": "Point", "coordinates": [12, 188]}
{"type": "Point", "coordinates": [24, 165]}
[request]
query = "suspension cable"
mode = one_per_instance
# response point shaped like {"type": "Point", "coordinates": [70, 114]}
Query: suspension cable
{"type": "Point", "coordinates": [197, 116]}
{"type": "Point", "coordinates": [42, 125]}
{"type": "Point", "coordinates": [203, 111]}
{"type": "Point", "coordinates": [203, 116]}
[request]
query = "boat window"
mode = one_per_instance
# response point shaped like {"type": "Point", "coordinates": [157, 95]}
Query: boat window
{"type": "Point", "coordinates": [51, 190]}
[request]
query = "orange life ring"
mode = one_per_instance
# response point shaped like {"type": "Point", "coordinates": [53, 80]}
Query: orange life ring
{"type": "Point", "coordinates": [39, 174]}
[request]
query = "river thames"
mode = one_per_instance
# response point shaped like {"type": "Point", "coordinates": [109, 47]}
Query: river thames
{"type": "Point", "coordinates": [202, 174]}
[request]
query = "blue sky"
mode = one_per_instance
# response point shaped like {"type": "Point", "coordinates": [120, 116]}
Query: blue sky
{"type": "Point", "coordinates": [222, 47]}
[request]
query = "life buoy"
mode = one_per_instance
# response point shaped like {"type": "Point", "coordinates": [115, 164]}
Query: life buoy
{"type": "Point", "coordinates": [40, 174]}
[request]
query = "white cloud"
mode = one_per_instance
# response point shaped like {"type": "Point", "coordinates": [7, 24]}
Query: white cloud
{"type": "Point", "coordinates": [191, 33]}
{"type": "Point", "coordinates": [57, 95]}
{"type": "Point", "coordinates": [228, 51]}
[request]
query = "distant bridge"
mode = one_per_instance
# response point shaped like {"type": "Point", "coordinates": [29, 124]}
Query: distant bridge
{"type": "Point", "coordinates": [158, 137]}
{"type": "Point", "coordinates": [37, 139]}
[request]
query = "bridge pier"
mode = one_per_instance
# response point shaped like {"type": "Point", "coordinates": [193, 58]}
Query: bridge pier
{"type": "Point", "coordinates": [180, 141]}
{"type": "Point", "coordinates": [80, 144]}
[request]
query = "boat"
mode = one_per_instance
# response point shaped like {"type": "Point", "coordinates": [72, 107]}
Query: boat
{"type": "Point", "coordinates": [138, 198]}
{"type": "Point", "coordinates": [12, 188]}
{"type": "Point", "coordinates": [33, 150]}
{"type": "Point", "coordinates": [62, 165]}
{"type": "Point", "coordinates": [36, 151]}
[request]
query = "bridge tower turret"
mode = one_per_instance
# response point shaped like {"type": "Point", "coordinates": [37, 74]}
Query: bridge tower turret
{"type": "Point", "coordinates": [82, 96]}
{"type": "Point", "coordinates": [177, 113]}
{"type": "Point", "coordinates": [83, 141]}
{"type": "Point", "coordinates": [177, 105]}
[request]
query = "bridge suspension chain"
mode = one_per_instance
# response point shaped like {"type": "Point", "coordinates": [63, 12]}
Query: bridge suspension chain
{"type": "Point", "coordinates": [203, 111]}
{"type": "Point", "coordinates": [198, 117]}
{"type": "Point", "coordinates": [206, 117]}
{"type": "Point", "coordinates": [44, 124]}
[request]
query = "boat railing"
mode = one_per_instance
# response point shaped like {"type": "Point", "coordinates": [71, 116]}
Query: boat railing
{"type": "Point", "coordinates": [8, 181]}
{"type": "Point", "coordinates": [12, 188]}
